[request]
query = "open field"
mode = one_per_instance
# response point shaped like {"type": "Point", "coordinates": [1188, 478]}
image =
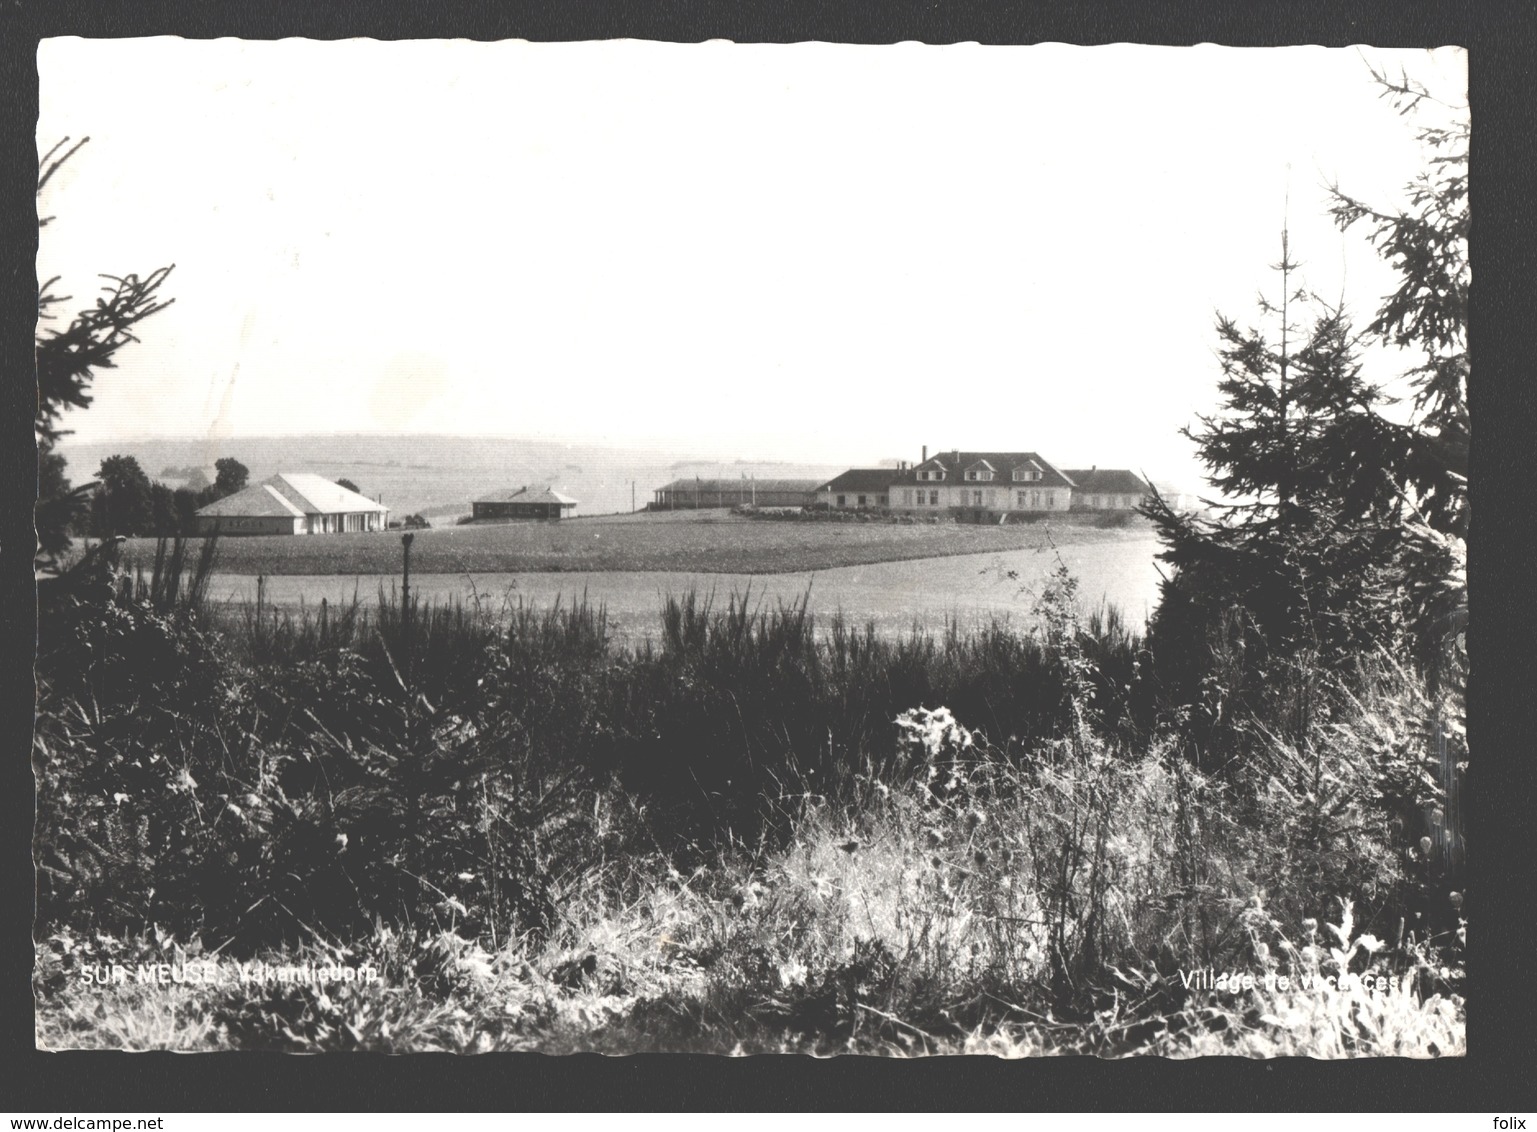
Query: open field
{"type": "Point", "coordinates": [687, 542]}
{"type": "Point", "coordinates": [896, 597]}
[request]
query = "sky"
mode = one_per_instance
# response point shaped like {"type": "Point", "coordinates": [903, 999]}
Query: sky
{"type": "Point", "coordinates": [813, 252]}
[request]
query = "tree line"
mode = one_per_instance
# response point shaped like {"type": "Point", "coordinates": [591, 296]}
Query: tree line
{"type": "Point", "coordinates": [122, 499]}
{"type": "Point", "coordinates": [125, 501]}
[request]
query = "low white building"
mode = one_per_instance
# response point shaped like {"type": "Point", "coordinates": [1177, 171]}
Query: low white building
{"type": "Point", "coordinates": [292, 503]}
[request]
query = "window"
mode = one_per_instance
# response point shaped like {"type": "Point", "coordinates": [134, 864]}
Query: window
{"type": "Point", "coordinates": [842, 499]}
{"type": "Point", "coordinates": [934, 499]}
{"type": "Point", "coordinates": [1021, 503]}
{"type": "Point", "coordinates": [907, 496]}
{"type": "Point", "coordinates": [1035, 499]}
{"type": "Point", "coordinates": [861, 500]}
{"type": "Point", "coordinates": [1026, 475]}
{"type": "Point", "coordinates": [976, 499]}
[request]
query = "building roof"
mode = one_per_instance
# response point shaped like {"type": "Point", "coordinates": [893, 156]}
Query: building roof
{"type": "Point", "coordinates": [1003, 464]}
{"type": "Point", "coordinates": [527, 495]}
{"type": "Point", "coordinates": [1116, 481]}
{"type": "Point", "coordinates": [690, 484]}
{"type": "Point", "coordinates": [260, 500]}
{"type": "Point", "coordinates": [862, 479]}
{"type": "Point", "coordinates": [289, 494]}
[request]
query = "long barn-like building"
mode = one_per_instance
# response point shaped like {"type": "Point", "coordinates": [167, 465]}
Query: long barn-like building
{"type": "Point", "coordinates": [292, 503]}
{"type": "Point", "coordinates": [687, 494]}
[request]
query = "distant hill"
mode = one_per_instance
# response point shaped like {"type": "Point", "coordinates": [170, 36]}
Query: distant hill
{"type": "Point", "coordinates": [437, 476]}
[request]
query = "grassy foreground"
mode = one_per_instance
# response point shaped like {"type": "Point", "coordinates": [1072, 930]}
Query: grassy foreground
{"type": "Point", "coordinates": [748, 836]}
{"type": "Point", "coordinates": [691, 542]}
{"type": "Point", "coordinates": [915, 928]}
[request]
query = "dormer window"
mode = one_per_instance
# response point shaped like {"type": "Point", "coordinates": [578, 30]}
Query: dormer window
{"type": "Point", "coordinates": [979, 474]}
{"type": "Point", "coordinates": [932, 474]}
{"type": "Point", "coordinates": [1026, 475]}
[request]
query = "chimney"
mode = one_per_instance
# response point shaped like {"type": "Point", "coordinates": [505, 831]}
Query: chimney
{"type": "Point", "coordinates": [925, 453]}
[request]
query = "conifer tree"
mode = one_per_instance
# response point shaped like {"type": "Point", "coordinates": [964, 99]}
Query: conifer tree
{"type": "Point", "coordinates": [1426, 460]}
{"type": "Point", "coordinates": [67, 361]}
{"type": "Point", "coordinates": [1281, 546]}
{"type": "Point", "coordinates": [1347, 530]}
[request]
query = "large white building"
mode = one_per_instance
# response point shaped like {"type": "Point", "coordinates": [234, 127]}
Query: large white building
{"type": "Point", "coordinates": [980, 485]}
{"type": "Point", "coordinates": [983, 487]}
{"type": "Point", "coordinates": [292, 503]}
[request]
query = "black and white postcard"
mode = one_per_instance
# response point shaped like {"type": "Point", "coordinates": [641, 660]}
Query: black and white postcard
{"type": "Point", "coordinates": [638, 547]}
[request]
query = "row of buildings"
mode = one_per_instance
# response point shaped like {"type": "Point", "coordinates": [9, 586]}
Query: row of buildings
{"type": "Point", "coordinates": [980, 486]}
{"type": "Point", "coordinates": [976, 486]}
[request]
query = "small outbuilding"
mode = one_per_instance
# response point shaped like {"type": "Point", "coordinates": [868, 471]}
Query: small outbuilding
{"type": "Point", "coordinates": [858, 488]}
{"type": "Point", "coordinates": [524, 503]}
{"type": "Point", "coordinates": [1106, 489]}
{"type": "Point", "coordinates": [292, 503]}
{"type": "Point", "coordinates": [1178, 498]}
